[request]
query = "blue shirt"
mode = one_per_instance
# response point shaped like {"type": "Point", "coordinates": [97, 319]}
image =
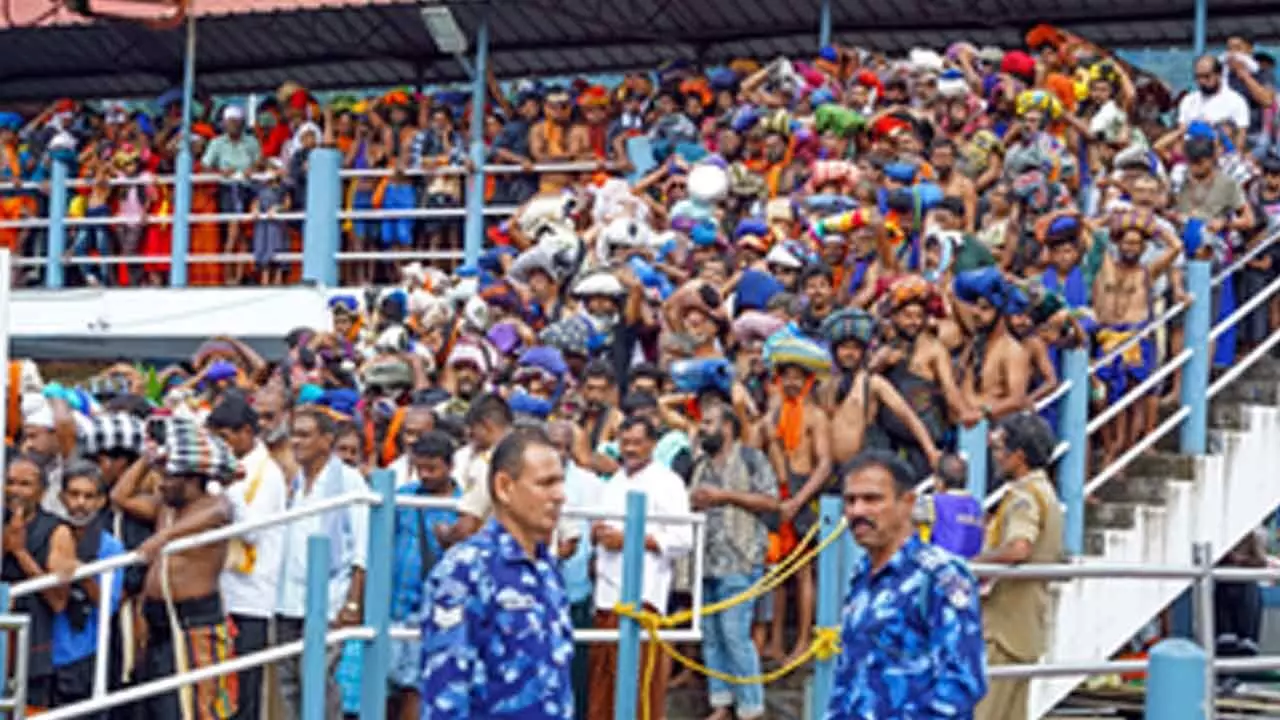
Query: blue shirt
{"type": "Point", "coordinates": [413, 533]}
{"type": "Point", "coordinates": [911, 643]}
{"type": "Point", "coordinates": [497, 641]}
{"type": "Point", "coordinates": [70, 645]}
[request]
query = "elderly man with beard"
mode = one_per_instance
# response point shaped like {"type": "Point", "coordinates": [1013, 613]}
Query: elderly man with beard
{"type": "Point", "coordinates": [75, 629]}
{"type": "Point", "coordinates": [853, 396]}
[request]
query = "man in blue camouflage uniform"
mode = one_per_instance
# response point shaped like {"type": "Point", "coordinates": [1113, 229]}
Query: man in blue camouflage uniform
{"type": "Point", "coordinates": [497, 636]}
{"type": "Point", "coordinates": [911, 639]}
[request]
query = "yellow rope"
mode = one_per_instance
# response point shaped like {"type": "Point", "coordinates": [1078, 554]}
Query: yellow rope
{"type": "Point", "coordinates": [825, 644]}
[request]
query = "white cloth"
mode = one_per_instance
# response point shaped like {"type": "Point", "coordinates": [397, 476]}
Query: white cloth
{"type": "Point", "coordinates": [1226, 105]}
{"type": "Point", "coordinates": [665, 494]}
{"type": "Point", "coordinates": [582, 489]}
{"type": "Point", "coordinates": [404, 472]}
{"type": "Point", "coordinates": [254, 594]}
{"type": "Point", "coordinates": [471, 472]}
{"type": "Point", "coordinates": [292, 601]}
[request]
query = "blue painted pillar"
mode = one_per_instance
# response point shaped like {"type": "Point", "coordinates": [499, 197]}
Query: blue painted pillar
{"type": "Point", "coordinates": [831, 588]}
{"type": "Point", "coordinates": [1200, 29]}
{"type": "Point", "coordinates": [4, 637]}
{"type": "Point", "coordinates": [973, 445]}
{"type": "Point", "coordinates": [824, 24]}
{"type": "Point", "coordinates": [1073, 418]}
{"type": "Point", "coordinates": [182, 171]}
{"type": "Point", "coordinates": [1195, 374]}
{"type": "Point", "coordinates": [1176, 681]}
{"type": "Point", "coordinates": [320, 225]}
{"type": "Point", "coordinates": [57, 246]}
{"type": "Point", "coordinates": [629, 678]}
{"type": "Point", "coordinates": [315, 626]}
{"type": "Point", "coordinates": [474, 231]}
{"type": "Point", "coordinates": [377, 598]}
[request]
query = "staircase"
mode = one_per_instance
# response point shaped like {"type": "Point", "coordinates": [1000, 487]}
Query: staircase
{"type": "Point", "coordinates": [1153, 515]}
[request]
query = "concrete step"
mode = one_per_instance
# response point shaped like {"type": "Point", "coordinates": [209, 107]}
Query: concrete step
{"type": "Point", "coordinates": [1267, 368]}
{"type": "Point", "coordinates": [1136, 489]}
{"type": "Point", "coordinates": [1110, 516]}
{"type": "Point", "coordinates": [1254, 391]}
{"type": "Point", "coordinates": [1166, 465]}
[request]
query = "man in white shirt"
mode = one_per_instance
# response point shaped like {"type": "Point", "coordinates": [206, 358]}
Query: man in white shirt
{"type": "Point", "coordinates": [321, 475]}
{"type": "Point", "coordinates": [249, 581]}
{"type": "Point", "coordinates": [664, 543]}
{"type": "Point", "coordinates": [1214, 102]}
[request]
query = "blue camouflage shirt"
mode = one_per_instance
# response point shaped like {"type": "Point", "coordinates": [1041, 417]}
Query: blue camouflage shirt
{"type": "Point", "coordinates": [911, 643]}
{"type": "Point", "coordinates": [497, 640]}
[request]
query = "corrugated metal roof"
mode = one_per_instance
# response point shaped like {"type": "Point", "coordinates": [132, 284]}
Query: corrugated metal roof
{"type": "Point", "coordinates": [343, 45]}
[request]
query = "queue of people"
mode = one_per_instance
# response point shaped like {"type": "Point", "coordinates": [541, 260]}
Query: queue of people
{"type": "Point", "coordinates": [833, 263]}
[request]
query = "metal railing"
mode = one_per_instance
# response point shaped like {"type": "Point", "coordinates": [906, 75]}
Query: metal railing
{"type": "Point", "coordinates": [376, 628]}
{"type": "Point", "coordinates": [1071, 397]}
{"type": "Point", "coordinates": [322, 251]}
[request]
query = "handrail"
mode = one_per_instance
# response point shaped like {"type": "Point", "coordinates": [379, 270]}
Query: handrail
{"type": "Point", "coordinates": [189, 677]}
{"type": "Point", "coordinates": [52, 580]}
{"type": "Point", "coordinates": [1230, 321]}
{"type": "Point", "coordinates": [293, 216]}
{"type": "Point", "coordinates": [1243, 260]}
{"type": "Point", "coordinates": [1139, 390]}
{"type": "Point", "coordinates": [429, 502]}
{"type": "Point", "coordinates": [346, 174]}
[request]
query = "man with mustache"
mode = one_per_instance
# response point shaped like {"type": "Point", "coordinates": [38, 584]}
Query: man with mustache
{"type": "Point", "coordinates": [1026, 528]}
{"type": "Point", "coordinates": [665, 543]}
{"type": "Point", "coordinates": [911, 631]}
{"type": "Point", "coordinates": [498, 638]}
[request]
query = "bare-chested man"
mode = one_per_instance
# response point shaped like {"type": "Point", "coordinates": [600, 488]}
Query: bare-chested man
{"type": "Point", "coordinates": [942, 156]}
{"type": "Point", "coordinates": [853, 396]}
{"type": "Point", "coordinates": [182, 605]}
{"type": "Point", "coordinates": [918, 366]}
{"type": "Point", "coordinates": [800, 451]}
{"type": "Point", "coordinates": [557, 140]}
{"type": "Point", "coordinates": [1122, 298]}
{"type": "Point", "coordinates": [996, 365]}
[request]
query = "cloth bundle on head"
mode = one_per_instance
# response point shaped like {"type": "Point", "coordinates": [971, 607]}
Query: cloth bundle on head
{"type": "Point", "coordinates": [699, 375]}
{"type": "Point", "coordinates": [990, 284]}
{"type": "Point", "coordinates": [341, 403]}
{"type": "Point", "coordinates": [468, 352]}
{"type": "Point", "coordinates": [1058, 227]}
{"type": "Point", "coordinates": [755, 289]}
{"type": "Point", "coordinates": [571, 336]}
{"type": "Point", "coordinates": [1137, 219]}
{"type": "Point", "coordinates": [191, 450]}
{"type": "Point", "coordinates": [841, 173]}
{"type": "Point", "coordinates": [952, 84]}
{"type": "Point", "coordinates": [848, 324]}
{"type": "Point", "coordinates": [898, 292]}
{"type": "Point", "coordinates": [783, 350]}
{"type": "Point", "coordinates": [755, 326]}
